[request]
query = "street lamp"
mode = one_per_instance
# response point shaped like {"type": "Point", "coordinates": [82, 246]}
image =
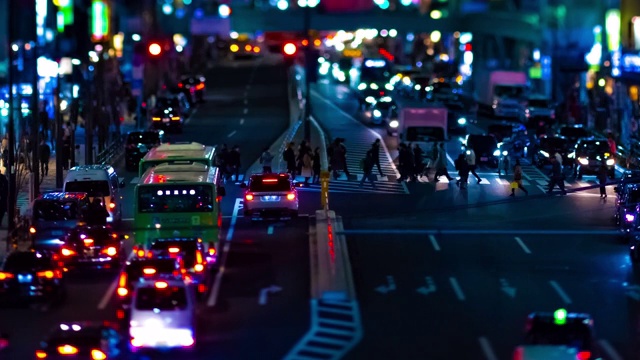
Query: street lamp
{"type": "Point", "coordinates": [307, 5]}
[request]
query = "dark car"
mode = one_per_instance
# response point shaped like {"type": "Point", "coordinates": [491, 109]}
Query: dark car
{"type": "Point", "coordinates": [141, 267]}
{"type": "Point", "coordinates": [560, 332]}
{"type": "Point", "coordinates": [52, 215]}
{"type": "Point", "coordinates": [195, 258]}
{"type": "Point", "coordinates": [548, 146]}
{"type": "Point", "coordinates": [573, 133]}
{"type": "Point", "coordinates": [590, 154]}
{"type": "Point", "coordinates": [486, 149]}
{"type": "Point", "coordinates": [32, 276]}
{"type": "Point", "coordinates": [95, 247]}
{"type": "Point", "coordinates": [196, 86]}
{"type": "Point", "coordinates": [138, 144]}
{"type": "Point", "coordinates": [628, 177]}
{"type": "Point", "coordinates": [383, 111]}
{"type": "Point", "coordinates": [167, 117]}
{"type": "Point", "coordinates": [82, 340]}
{"type": "Point", "coordinates": [628, 198]}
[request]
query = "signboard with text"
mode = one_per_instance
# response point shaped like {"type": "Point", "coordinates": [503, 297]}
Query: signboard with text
{"type": "Point", "coordinates": [630, 63]}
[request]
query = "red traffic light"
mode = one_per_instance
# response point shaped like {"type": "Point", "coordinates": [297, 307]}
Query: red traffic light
{"type": "Point", "coordinates": [290, 48]}
{"type": "Point", "coordinates": [155, 49]}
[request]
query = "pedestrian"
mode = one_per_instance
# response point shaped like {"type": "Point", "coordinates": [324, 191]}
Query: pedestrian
{"type": "Point", "coordinates": [441, 164]}
{"type": "Point", "coordinates": [613, 148]}
{"type": "Point", "coordinates": [517, 179]}
{"type": "Point", "coordinates": [302, 151]}
{"type": "Point", "coordinates": [342, 153]}
{"type": "Point", "coordinates": [4, 196]}
{"type": "Point", "coordinates": [471, 161]}
{"type": "Point", "coordinates": [234, 162]}
{"type": "Point", "coordinates": [375, 151]}
{"type": "Point", "coordinates": [222, 160]}
{"type": "Point", "coordinates": [266, 159]}
{"type": "Point", "coordinates": [557, 177]}
{"type": "Point", "coordinates": [97, 214]}
{"type": "Point", "coordinates": [316, 166]}
{"type": "Point", "coordinates": [289, 157]}
{"type": "Point", "coordinates": [306, 170]}
{"type": "Point", "coordinates": [418, 161]}
{"type": "Point", "coordinates": [44, 153]}
{"type": "Point", "coordinates": [367, 168]}
{"type": "Point", "coordinates": [462, 165]}
{"type": "Point", "coordinates": [603, 174]}
{"type": "Point", "coordinates": [44, 121]}
{"type": "Point", "coordinates": [405, 162]}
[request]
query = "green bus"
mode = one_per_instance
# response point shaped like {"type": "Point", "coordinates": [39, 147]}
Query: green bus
{"type": "Point", "coordinates": [178, 153]}
{"type": "Point", "coordinates": [178, 201]}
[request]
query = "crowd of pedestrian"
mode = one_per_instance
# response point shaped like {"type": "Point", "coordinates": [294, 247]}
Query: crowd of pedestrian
{"type": "Point", "coordinates": [302, 161]}
{"type": "Point", "coordinates": [228, 161]}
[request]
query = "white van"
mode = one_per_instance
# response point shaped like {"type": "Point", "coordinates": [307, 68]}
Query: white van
{"type": "Point", "coordinates": [163, 315]}
{"type": "Point", "coordinates": [97, 180]}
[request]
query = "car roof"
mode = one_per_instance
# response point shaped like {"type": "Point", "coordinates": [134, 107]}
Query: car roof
{"type": "Point", "coordinates": [270, 176]}
{"type": "Point", "coordinates": [59, 196]}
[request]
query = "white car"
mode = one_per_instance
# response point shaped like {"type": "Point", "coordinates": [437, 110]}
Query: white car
{"type": "Point", "coordinates": [163, 315]}
{"type": "Point", "coordinates": [539, 107]}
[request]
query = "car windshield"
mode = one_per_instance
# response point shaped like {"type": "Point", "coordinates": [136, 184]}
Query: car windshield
{"type": "Point", "coordinates": [168, 298]}
{"type": "Point", "coordinates": [143, 138]}
{"type": "Point", "coordinates": [91, 187]}
{"type": "Point", "coordinates": [175, 198]}
{"type": "Point", "coordinates": [573, 335]}
{"type": "Point", "coordinates": [539, 103]}
{"type": "Point", "coordinates": [270, 184]}
{"type": "Point", "coordinates": [593, 148]}
{"type": "Point", "coordinates": [26, 261]}
{"type": "Point", "coordinates": [553, 143]}
{"type": "Point", "coordinates": [55, 210]}
{"type": "Point", "coordinates": [573, 132]}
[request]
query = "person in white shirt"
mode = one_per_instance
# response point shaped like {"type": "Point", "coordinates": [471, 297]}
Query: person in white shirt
{"type": "Point", "coordinates": [471, 160]}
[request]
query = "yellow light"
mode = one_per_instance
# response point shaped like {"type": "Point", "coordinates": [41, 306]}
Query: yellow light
{"type": "Point", "coordinates": [317, 42]}
{"type": "Point", "coordinates": [247, 47]}
{"type": "Point", "coordinates": [435, 36]}
{"type": "Point", "coordinates": [118, 41]}
{"type": "Point", "coordinates": [256, 49]}
{"type": "Point", "coordinates": [67, 350]}
{"type": "Point", "coordinates": [602, 82]}
{"type": "Point", "coordinates": [234, 48]}
{"type": "Point", "coordinates": [436, 14]}
{"type": "Point", "coordinates": [97, 355]}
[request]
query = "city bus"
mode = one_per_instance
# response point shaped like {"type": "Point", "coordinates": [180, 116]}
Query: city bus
{"type": "Point", "coordinates": [178, 201]}
{"type": "Point", "coordinates": [178, 153]}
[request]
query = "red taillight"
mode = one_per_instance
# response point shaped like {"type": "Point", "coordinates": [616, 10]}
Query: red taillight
{"type": "Point", "coordinates": [110, 251]}
{"type": "Point", "coordinates": [67, 252]}
{"type": "Point", "coordinates": [248, 197]}
{"type": "Point", "coordinates": [5, 276]}
{"type": "Point", "coordinates": [291, 196]}
{"type": "Point", "coordinates": [199, 266]}
{"type": "Point", "coordinates": [584, 355]}
{"type": "Point", "coordinates": [50, 274]}
{"type": "Point", "coordinates": [202, 288]}
{"type": "Point", "coordinates": [174, 250]}
{"type": "Point", "coordinates": [88, 242]}
{"type": "Point", "coordinates": [112, 206]}
{"type": "Point", "coordinates": [122, 285]}
{"type": "Point", "coordinates": [199, 86]}
{"type": "Point", "coordinates": [180, 85]}
{"type": "Point", "coordinates": [212, 251]}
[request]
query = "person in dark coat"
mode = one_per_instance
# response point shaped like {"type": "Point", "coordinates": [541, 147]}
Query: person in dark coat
{"type": "Point", "coordinates": [602, 179]}
{"type": "Point", "coordinates": [97, 214]}
{"type": "Point", "coordinates": [289, 157]}
{"type": "Point", "coordinates": [375, 151]}
{"type": "Point", "coordinates": [316, 166]}
{"type": "Point", "coordinates": [462, 165]}
{"type": "Point", "coordinates": [44, 153]}
{"type": "Point", "coordinates": [367, 169]}
{"type": "Point", "coordinates": [557, 177]}
{"type": "Point", "coordinates": [418, 160]}
{"type": "Point", "coordinates": [4, 196]}
{"type": "Point", "coordinates": [234, 162]}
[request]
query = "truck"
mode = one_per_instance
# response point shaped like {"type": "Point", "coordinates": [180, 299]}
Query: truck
{"type": "Point", "coordinates": [424, 126]}
{"type": "Point", "coordinates": [502, 93]}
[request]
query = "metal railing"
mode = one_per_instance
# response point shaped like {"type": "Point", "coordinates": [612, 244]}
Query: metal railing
{"type": "Point", "coordinates": [111, 152]}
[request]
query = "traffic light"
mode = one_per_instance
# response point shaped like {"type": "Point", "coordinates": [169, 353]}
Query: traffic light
{"type": "Point", "coordinates": [154, 49]}
{"type": "Point", "coordinates": [290, 49]}
{"type": "Point", "coordinates": [224, 11]}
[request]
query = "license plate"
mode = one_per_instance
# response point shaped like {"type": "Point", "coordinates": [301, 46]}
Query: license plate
{"type": "Point", "coordinates": [271, 198]}
{"type": "Point", "coordinates": [166, 120]}
{"type": "Point", "coordinates": [484, 158]}
{"type": "Point", "coordinates": [25, 279]}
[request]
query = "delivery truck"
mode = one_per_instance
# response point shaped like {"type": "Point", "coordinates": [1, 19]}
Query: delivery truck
{"type": "Point", "coordinates": [502, 93]}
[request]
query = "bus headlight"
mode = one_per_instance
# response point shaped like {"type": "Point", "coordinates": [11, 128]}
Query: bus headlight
{"type": "Point", "coordinates": [374, 86]}
{"type": "Point", "coordinates": [496, 153]}
{"type": "Point", "coordinates": [394, 124]}
{"type": "Point", "coordinates": [389, 87]}
{"type": "Point", "coordinates": [370, 99]}
{"type": "Point", "coordinates": [611, 162]}
{"type": "Point", "coordinates": [362, 86]}
{"type": "Point", "coordinates": [462, 121]}
{"type": "Point", "coordinates": [505, 153]}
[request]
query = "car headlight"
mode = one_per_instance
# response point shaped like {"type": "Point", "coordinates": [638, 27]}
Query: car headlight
{"type": "Point", "coordinates": [572, 155]}
{"type": "Point", "coordinates": [583, 161]}
{"type": "Point", "coordinates": [496, 153]}
{"type": "Point", "coordinates": [374, 86]}
{"type": "Point", "coordinates": [462, 121]}
{"type": "Point", "coordinates": [389, 87]}
{"type": "Point", "coordinates": [370, 99]}
{"type": "Point", "coordinates": [629, 217]}
{"type": "Point", "coordinates": [417, 87]}
{"type": "Point", "coordinates": [394, 124]}
{"type": "Point", "coordinates": [611, 162]}
{"type": "Point", "coordinates": [362, 86]}
{"type": "Point", "coordinates": [505, 153]}
{"type": "Point", "coordinates": [377, 113]}
{"type": "Point", "coordinates": [544, 153]}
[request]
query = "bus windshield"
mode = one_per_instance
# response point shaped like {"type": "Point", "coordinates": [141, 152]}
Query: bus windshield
{"type": "Point", "coordinates": [172, 198]}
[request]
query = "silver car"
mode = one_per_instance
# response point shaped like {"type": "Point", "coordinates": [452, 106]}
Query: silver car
{"type": "Point", "coordinates": [270, 195]}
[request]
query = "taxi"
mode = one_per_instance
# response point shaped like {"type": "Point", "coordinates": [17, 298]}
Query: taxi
{"type": "Point", "coordinates": [270, 195]}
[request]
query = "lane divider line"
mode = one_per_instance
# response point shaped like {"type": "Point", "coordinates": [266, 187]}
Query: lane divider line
{"type": "Point", "coordinates": [457, 289]}
{"type": "Point", "coordinates": [241, 121]}
{"type": "Point", "coordinates": [434, 242]}
{"type": "Point", "coordinates": [612, 354]}
{"type": "Point", "coordinates": [487, 349]}
{"type": "Point", "coordinates": [522, 245]}
{"type": "Point", "coordinates": [217, 282]}
{"type": "Point", "coordinates": [231, 133]}
{"type": "Point", "coordinates": [563, 295]}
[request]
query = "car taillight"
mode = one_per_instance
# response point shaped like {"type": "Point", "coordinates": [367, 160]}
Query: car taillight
{"type": "Point", "coordinates": [248, 197]}
{"type": "Point", "coordinates": [32, 230]}
{"type": "Point", "coordinates": [212, 251]}
{"type": "Point", "coordinates": [97, 355]}
{"type": "Point", "coordinates": [88, 242]}
{"type": "Point", "coordinates": [50, 274]}
{"type": "Point", "coordinates": [110, 251]}
{"type": "Point", "coordinates": [112, 206]}
{"type": "Point", "coordinates": [67, 350]}
{"type": "Point", "coordinates": [199, 86]}
{"type": "Point", "coordinates": [199, 266]}
{"type": "Point", "coordinates": [174, 250]}
{"type": "Point", "coordinates": [584, 355]}
{"type": "Point", "coordinates": [291, 196]}
{"type": "Point", "coordinates": [41, 354]}
{"type": "Point", "coordinates": [5, 276]}
{"type": "Point", "coordinates": [180, 85]}
{"type": "Point", "coordinates": [122, 285]}
{"type": "Point", "coordinates": [67, 252]}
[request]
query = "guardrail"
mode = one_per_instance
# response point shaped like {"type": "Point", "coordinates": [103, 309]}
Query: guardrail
{"type": "Point", "coordinates": [112, 151]}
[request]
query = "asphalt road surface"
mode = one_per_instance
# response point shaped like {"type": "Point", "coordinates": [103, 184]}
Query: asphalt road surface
{"type": "Point", "coordinates": [245, 105]}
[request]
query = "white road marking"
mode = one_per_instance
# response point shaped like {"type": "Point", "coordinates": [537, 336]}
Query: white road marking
{"type": "Point", "coordinates": [563, 295]}
{"type": "Point", "coordinates": [612, 354]}
{"type": "Point", "coordinates": [112, 289]}
{"type": "Point", "coordinates": [456, 288]}
{"type": "Point", "coordinates": [231, 133]}
{"type": "Point", "coordinates": [134, 180]}
{"type": "Point", "coordinates": [270, 230]}
{"type": "Point", "coordinates": [434, 242]}
{"type": "Point", "coordinates": [241, 121]}
{"type": "Point", "coordinates": [451, 160]}
{"type": "Point", "coordinates": [487, 350]}
{"type": "Point", "coordinates": [127, 219]}
{"type": "Point", "coordinates": [522, 245]}
{"type": "Point", "coordinates": [217, 282]}
{"type": "Point", "coordinates": [246, 110]}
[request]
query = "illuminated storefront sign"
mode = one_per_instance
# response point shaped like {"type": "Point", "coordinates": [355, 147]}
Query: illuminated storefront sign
{"type": "Point", "coordinates": [631, 63]}
{"type": "Point", "coordinates": [99, 20]}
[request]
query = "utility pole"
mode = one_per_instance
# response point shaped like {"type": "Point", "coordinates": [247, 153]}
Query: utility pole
{"type": "Point", "coordinates": [35, 134]}
{"type": "Point", "coordinates": [88, 121]}
{"type": "Point", "coordinates": [60, 155]}
{"type": "Point", "coordinates": [11, 141]}
{"type": "Point", "coordinates": [307, 77]}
